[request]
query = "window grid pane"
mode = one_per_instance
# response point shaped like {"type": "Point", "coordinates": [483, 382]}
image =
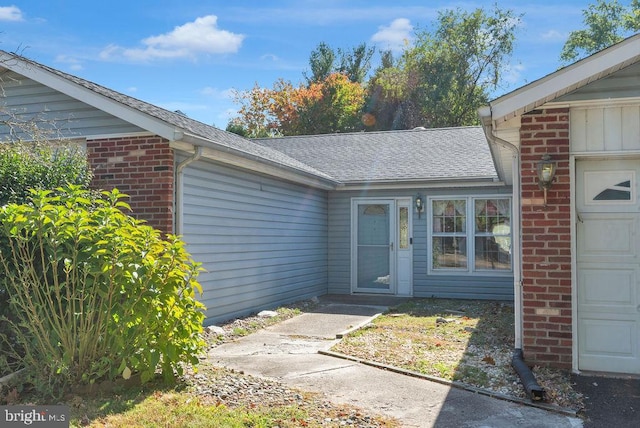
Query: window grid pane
{"type": "Point", "coordinates": [450, 217]}
{"type": "Point", "coordinates": [449, 240]}
{"type": "Point", "coordinates": [449, 252]}
{"type": "Point", "coordinates": [493, 234]}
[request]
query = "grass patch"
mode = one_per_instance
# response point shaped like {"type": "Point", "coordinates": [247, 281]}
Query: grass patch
{"type": "Point", "coordinates": [179, 409]}
{"type": "Point", "coordinates": [466, 341]}
{"type": "Point", "coordinates": [240, 331]}
{"type": "Point", "coordinates": [436, 337]}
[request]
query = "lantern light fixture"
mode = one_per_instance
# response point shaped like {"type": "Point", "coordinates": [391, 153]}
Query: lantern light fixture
{"type": "Point", "coordinates": [419, 205]}
{"type": "Point", "coordinates": [546, 174]}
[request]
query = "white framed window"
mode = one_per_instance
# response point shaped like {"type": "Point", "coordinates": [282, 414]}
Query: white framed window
{"type": "Point", "coordinates": [470, 234]}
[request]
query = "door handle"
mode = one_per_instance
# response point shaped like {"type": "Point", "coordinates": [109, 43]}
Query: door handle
{"type": "Point", "coordinates": [391, 246]}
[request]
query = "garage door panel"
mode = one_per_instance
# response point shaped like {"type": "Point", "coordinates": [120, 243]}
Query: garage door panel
{"type": "Point", "coordinates": [609, 338]}
{"type": "Point", "coordinates": [607, 237]}
{"type": "Point", "coordinates": [608, 286]}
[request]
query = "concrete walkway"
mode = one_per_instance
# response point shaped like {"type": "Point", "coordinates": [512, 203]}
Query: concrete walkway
{"type": "Point", "coordinates": [288, 352]}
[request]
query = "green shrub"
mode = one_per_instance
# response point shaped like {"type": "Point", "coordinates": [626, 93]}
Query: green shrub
{"type": "Point", "coordinates": [97, 293]}
{"type": "Point", "coordinates": [36, 165]}
{"type": "Point", "coordinates": [24, 166]}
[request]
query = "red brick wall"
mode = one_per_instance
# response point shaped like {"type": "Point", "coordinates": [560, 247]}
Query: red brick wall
{"type": "Point", "coordinates": [546, 241]}
{"type": "Point", "coordinates": [141, 167]}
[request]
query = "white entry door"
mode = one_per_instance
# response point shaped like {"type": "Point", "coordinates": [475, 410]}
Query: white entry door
{"type": "Point", "coordinates": [382, 247]}
{"type": "Point", "coordinates": [608, 265]}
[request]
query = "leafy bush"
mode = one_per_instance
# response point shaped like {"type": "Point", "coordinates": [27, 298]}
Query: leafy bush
{"type": "Point", "coordinates": [23, 166]}
{"type": "Point", "coordinates": [97, 293]}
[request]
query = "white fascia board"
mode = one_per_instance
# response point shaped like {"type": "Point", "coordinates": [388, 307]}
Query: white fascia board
{"type": "Point", "coordinates": [566, 80]}
{"type": "Point", "coordinates": [101, 102]}
{"type": "Point", "coordinates": [227, 157]}
{"type": "Point", "coordinates": [434, 184]}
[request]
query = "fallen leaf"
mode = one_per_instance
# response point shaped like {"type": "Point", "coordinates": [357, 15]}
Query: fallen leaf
{"type": "Point", "coordinates": [489, 360]}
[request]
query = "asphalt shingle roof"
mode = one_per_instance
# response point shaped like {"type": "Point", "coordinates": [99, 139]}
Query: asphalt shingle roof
{"type": "Point", "coordinates": [391, 156]}
{"type": "Point", "coordinates": [413, 155]}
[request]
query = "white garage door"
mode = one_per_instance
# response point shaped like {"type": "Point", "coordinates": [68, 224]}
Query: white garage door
{"type": "Point", "coordinates": [608, 267]}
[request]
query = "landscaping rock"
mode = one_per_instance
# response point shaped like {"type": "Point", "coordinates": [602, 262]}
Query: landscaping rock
{"type": "Point", "coordinates": [214, 329]}
{"type": "Point", "coordinates": [268, 314]}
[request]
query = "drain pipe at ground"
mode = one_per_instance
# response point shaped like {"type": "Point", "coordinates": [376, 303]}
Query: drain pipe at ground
{"type": "Point", "coordinates": [534, 391]}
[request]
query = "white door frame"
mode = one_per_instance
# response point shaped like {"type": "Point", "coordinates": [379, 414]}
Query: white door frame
{"type": "Point", "coordinates": [395, 203]}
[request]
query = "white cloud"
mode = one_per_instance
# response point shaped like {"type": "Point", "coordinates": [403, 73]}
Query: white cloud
{"type": "Point", "coordinates": [72, 63]}
{"type": "Point", "coordinates": [10, 13]}
{"type": "Point", "coordinates": [217, 93]}
{"type": "Point", "coordinates": [512, 73]}
{"type": "Point", "coordinates": [394, 36]}
{"type": "Point", "coordinates": [190, 40]}
{"type": "Point", "coordinates": [554, 36]}
{"type": "Point", "coordinates": [270, 57]}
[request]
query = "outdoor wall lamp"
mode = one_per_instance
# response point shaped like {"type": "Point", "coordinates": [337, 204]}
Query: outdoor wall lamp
{"type": "Point", "coordinates": [546, 172]}
{"type": "Point", "coordinates": [419, 205]}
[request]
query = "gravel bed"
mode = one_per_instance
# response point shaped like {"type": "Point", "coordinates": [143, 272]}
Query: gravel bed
{"type": "Point", "coordinates": [220, 386]}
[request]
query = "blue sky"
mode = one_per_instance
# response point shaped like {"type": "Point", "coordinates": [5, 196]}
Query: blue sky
{"type": "Point", "coordinates": [189, 55]}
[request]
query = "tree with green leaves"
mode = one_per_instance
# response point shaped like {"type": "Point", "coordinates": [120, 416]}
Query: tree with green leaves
{"type": "Point", "coordinates": [355, 63]}
{"type": "Point", "coordinates": [607, 23]}
{"type": "Point", "coordinates": [321, 62]}
{"type": "Point", "coordinates": [446, 75]}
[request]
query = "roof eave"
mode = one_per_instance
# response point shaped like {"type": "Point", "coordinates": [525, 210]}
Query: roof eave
{"type": "Point", "coordinates": [230, 156]}
{"type": "Point", "coordinates": [439, 183]}
{"type": "Point", "coordinates": [566, 80]}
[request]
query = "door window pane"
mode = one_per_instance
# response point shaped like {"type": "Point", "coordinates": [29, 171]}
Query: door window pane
{"type": "Point", "coordinates": [607, 187]}
{"type": "Point", "coordinates": [373, 225]}
{"type": "Point", "coordinates": [373, 267]}
{"type": "Point", "coordinates": [403, 227]}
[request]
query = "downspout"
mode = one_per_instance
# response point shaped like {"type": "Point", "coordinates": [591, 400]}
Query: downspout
{"type": "Point", "coordinates": [180, 186]}
{"type": "Point", "coordinates": [534, 391]}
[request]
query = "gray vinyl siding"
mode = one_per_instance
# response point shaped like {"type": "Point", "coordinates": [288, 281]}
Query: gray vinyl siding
{"type": "Point", "coordinates": [440, 285]}
{"type": "Point", "coordinates": [64, 116]}
{"type": "Point", "coordinates": [263, 242]}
